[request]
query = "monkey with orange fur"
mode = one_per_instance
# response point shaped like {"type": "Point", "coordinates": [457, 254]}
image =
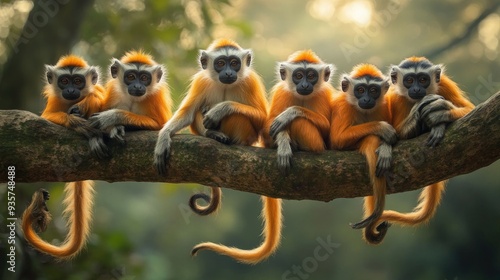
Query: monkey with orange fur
{"type": "Point", "coordinates": [73, 94]}
{"type": "Point", "coordinates": [421, 99]}
{"type": "Point", "coordinates": [226, 101]}
{"type": "Point", "coordinates": [137, 97]}
{"type": "Point", "coordinates": [359, 121]}
{"type": "Point", "coordinates": [300, 107]}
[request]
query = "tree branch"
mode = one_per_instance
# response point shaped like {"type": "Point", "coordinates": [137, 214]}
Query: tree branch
{"type": "Point", "coordinates": [473, 26]}
{"type": "Point", "coordinates": [42, 151]}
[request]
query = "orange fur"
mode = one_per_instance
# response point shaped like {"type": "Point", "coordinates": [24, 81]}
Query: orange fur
{"type": "Point", "coordinates": [150, 112]}
{"type": "Point", "coordinates": [243, 127]}
{"type": "Point", "coordinates": [78, 195]}
{"type": "Point", "coordinates": [352, 129]}
{"type": "Point", "coordinates": [316, 121]}
{"type": "Point", "coordinates": [71, 60]}
{"type": "Point", "coordinates": [306, 55]}
{"type": "Point", "coordinates": [400, 108]}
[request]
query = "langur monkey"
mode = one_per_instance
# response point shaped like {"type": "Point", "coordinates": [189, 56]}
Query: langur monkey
{"type": "Point", "coordinates": [299, 118]}
{"type": "Point", "coordinates": [137, 98]}
{"type": "Point", "coordinates": [227, 102]}
{"type": "Point", "coordinates": [73, 94]}
{"type": "Point", "coordinates": [360, 121]}
{"type": "Point", "coordinates": [423, 98]}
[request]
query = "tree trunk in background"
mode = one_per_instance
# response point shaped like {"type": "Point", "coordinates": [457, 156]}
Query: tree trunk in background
{"type": "Point", "coordinates": [51, 30]}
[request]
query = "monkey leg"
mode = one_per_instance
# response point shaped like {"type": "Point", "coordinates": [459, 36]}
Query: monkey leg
{"type": "Point", "coordinates": [239, 129]}
{"type": "Point", "coordinates": [306, 136]}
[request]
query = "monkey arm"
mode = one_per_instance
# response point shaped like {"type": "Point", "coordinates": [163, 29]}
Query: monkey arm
{"type": "Point", "coordinates": [283, 120]}
{"type": "Point", "coordinates": [91, 104]}
{"type": "Point", "coordinates": [348, 137]}
{"type": "Point", "coordinates": [114, 117]}
{"type": "Point", "coordinates": [215, 115]}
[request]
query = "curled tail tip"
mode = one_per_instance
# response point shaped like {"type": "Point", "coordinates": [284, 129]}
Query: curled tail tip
{"type": "Point", "coordinates": [194, 251]}
{"type": "Point", "coordinates": [207, 210]}
{"type": "Point", "coordinates": [374, 238]}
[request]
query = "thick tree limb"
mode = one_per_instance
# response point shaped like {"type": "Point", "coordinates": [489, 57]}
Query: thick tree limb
{"type": "Point", "coordinates": [42, 151]}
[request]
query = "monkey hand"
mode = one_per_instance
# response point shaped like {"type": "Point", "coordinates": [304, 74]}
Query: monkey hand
{"type": "Point", "coordinates": [118, 132]}
{"type": "Point", "coordinates": [436, 135]}
{"type": "Point", "coordinates": [387, 133]}
{"type": "Point", "coordinates": [105, 120]}
{"type": "Point", "coordinates": [437, 112]}
{"type": "Point", "coordinates": [282, 121]}
{"type": "Point", "coordinates": [284, 151]}
{"type": "Point", "coordinates": [218, 136]}
{"type": "Point", "coordinates": [212, 119]}
{"type": "Point", "coordinates": [162, 151]}
{"type": "Point", "coordinates": [426, 100]}
{"type": "Point", "coordinates": [384, 152]}
{"type": "Point", "coordinates": [75, 111]}
{"type": "Point", "coordinates": [98, 147]}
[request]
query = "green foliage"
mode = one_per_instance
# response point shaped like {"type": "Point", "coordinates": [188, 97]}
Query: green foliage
{"type": "Point", "coordinates": [146, 231]}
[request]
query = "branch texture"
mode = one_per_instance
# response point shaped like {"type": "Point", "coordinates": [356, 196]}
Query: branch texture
{"type": "Point", "coordinates": [42, 151]}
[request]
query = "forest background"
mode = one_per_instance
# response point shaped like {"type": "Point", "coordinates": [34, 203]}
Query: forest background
{"type": "Point", "coordinates": [146, 231]}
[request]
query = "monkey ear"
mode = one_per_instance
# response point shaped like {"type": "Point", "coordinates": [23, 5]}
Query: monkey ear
{"type": "Point", "coordinates": [159, 72]}
{"type": "Point", "coordinates": [282, 70]}
{"type": "Point", "coordinates": [394, 74]}
{"type": "Point", "coordinates": [203, 59]}
{"type": "Point", "coordinates": [94, 74]}
{"type": "Point", "coordinates": [327, 74]}
{"type": "Point", "coordinates": [437, 72]}
{"type": "Point", "coordinates": [248, 57]}
{"type": "Point", "coordinates": [49, 73]}
{"type": "Point", "coordinates": [345, 83]}
{"type": "Point", "coordinates": [114, 68]}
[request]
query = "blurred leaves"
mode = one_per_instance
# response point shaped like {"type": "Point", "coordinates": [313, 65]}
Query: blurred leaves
{"type": "Point", "coordinates": [146, 232]}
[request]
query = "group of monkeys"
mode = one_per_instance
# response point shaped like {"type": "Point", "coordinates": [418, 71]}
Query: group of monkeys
{"type": "Point", "coordinates": [227, 102]}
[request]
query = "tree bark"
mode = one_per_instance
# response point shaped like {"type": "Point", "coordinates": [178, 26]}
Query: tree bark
{"type": "Point", "coordinates": [42, 151]}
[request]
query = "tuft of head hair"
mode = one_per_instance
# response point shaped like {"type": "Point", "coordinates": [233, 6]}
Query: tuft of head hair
{"type": "Point", "coordinates": [138, 56]}
{"type": "Point", "coordinates": [305, 55]}
{"type": "Point", "coordinates": [223, 43]}
{"type": "Point", "coordinates": [71, 61]}
{"type": "Point", "coordinates": [366, 69]}
{"type": "Point", "coordinates": [416, 59]}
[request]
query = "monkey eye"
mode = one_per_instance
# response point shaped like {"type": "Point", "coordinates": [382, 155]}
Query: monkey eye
{"type": "Point", "coordinates": [310, 75]}
{"type": "Point", "coordinates": [299, 75]}
{"type": "Point", "coordinates": [64, 81]}
{"type": "Point", "coordinates": [373, 90]}
{"type": "Point", "coordinates": [144, 77]}
{"type": "Point", "coordinates": [410, 80]}
{"type": "Point", "coordinates": [221, 63]}
{"type": "Point", "coordinates": [130, 77]}
{"type": "Point", "coordinates": [77, 81]}
{"type": "Point", "coordinates": [361, 90]}
{"type": "Point", "coordinates": [422, 80]}
{"type": "Point", "coordinates": [234, 62]}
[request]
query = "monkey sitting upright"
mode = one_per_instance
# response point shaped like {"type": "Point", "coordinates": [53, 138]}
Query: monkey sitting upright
{"type": "Point", "coordinates": [226, 101]}
{"type": "Point", "coordinates": [73, 94]}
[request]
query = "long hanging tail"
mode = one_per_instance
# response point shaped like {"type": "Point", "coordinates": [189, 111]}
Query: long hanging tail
{"type": "Point", "coordinates": [271, 214]}
{"type": "Point", "coordinates": [375, 232]}
{"type": "Point", "coordinates": [213, 201]}
{"type": "Point", "coordinates": [373, 205]}
{"type": "Point", "coordinates": [429, 200]}
{"type": "Point", "coordinates": [78, 201]}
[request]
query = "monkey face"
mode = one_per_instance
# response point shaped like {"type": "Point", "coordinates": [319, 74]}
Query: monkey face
{"type": "Point", "coordinates": [304, 80]}
{"type": "Point", "coordinates": [416, 84]}
{"type": "Point", "coordinates": [137, 82]}
{"type": "Point", "coordinates": [367, 95]}
{"type": "Point", "coordinates": [227, 67]}
{"type": "Point", "coordinates": [71, 85]}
